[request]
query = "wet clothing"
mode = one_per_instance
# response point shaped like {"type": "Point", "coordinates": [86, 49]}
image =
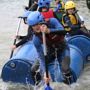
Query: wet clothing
{"type": "Point", "coordinates": [53, 41]}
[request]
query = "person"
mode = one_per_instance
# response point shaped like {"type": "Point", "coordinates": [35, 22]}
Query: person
{"type": "Point", "coordinates": [38, 25]}
{"type": "Point", "coordinates": [72, 21]}
{"type": "Point", "coordinates": [59, 10]}
{"type": "Point", "coordinates": [24, 39]}
{"type": "Point", "coordinates": [44, 8]}
{"type": "Point", "coordinates": [59, 6]}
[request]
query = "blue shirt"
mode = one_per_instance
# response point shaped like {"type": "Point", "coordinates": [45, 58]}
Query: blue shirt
{"type": "Point", "coordinates": [54, 25]}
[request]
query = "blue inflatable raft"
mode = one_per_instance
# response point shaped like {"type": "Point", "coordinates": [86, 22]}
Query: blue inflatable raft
{"type": "Point", "coordinates": [18, 68]}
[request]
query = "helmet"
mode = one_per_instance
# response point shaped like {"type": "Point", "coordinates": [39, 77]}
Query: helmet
{"type": "Point", "coordinates": [69, 5]}
{"type": "Point", "coordinates": [26, 13]}
{"type": "Point", "coordinates": [44, 3]}
{"type": "Point", "coordinates": [34, 18]}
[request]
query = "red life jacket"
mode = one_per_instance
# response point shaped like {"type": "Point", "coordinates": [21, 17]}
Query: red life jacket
{"type": "Point", "coordinates": [48, 14]}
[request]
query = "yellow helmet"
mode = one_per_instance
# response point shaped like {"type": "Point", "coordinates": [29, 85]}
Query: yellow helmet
{"type": "Point", "coordinates": [69, 5]}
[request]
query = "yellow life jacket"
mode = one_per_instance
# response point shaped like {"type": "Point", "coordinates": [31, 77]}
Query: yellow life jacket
{"type": "Point", "coordinates": [73, 20]}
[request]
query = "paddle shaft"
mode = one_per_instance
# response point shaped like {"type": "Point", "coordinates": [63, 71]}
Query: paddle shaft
{"type": "Point", "coordinates": [45, 54]}
{"type": "Point", "coordinates": [16, 37]}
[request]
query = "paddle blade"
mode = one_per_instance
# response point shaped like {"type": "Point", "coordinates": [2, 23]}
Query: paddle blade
{"type": "Point", "coordinates": [48, 88]}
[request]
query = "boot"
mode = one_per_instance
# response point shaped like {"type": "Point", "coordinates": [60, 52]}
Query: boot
{"type": "Point", "coordinates": [35, 66]}
{"type": "Point", "coordinates": [36, 72]}
{"type": "Point", "coordinates": [69, 77]}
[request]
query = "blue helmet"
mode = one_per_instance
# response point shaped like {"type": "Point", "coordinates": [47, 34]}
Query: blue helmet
{"type": "Point", "coordinates": [34, 18]}
{"type": "Point", "coordinates": [44, 3]}
{"type": "Point", "coordinates": [26, 13]}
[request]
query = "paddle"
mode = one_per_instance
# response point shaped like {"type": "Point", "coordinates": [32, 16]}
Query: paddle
{"type": "Point", "coordinates": [16, 36]}
{"type": "Point", "coordinates": [46, 60]}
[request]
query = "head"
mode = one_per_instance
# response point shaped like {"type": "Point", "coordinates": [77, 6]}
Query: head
{"type": "Point", "coordinates": [34, 19]}
{"type": "Point", "coordinates": [44, 5]}
{"type": "Point", "coordinates": [70, 7]}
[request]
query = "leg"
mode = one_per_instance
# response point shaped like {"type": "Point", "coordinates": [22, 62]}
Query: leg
{"type": "Point", "coordinates": [36, 72]}
{"type": "Point", "coordinates": [65, 66]}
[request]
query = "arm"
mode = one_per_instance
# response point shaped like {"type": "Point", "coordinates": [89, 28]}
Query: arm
{"type": "Point", "coordinates": [20, 37]}
{"type": "Point", "coordinates": [23, 41]}
{"type": "Point", "coordinates": [38, 44]}
{"type": "Point", "coordinates": [25, 38]}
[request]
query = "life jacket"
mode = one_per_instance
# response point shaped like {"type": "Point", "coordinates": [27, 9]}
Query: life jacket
{"type": "Point", "coordinates": [48, 14]}
{"type": "Point", "coordinates": [73, 20]}
{"type": "Point", "coordinates": [55, 40]}
{"type": "Point", "coordinates": [59, 15]}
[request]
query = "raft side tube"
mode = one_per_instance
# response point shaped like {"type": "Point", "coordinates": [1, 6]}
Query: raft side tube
{"type": "Point", "coordinates": [76, 65]}
{"type": "Point", "coordinates": [83, 43]}
{"type": "Point", "coordinates": [19, 66]}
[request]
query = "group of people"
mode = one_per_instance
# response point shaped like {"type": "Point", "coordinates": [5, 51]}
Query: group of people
{"type": "Point", "coordinates": [44, 19]}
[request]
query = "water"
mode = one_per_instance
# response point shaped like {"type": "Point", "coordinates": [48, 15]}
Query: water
{"type": "Point", "coordinates": [9, 11]}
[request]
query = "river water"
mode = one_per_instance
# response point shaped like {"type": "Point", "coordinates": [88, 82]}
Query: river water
{"type": "Point", "coordinates": [9, 11]}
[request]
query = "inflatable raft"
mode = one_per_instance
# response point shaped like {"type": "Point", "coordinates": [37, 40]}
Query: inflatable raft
{"type": "Point", "coordinates": [18, 68]}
